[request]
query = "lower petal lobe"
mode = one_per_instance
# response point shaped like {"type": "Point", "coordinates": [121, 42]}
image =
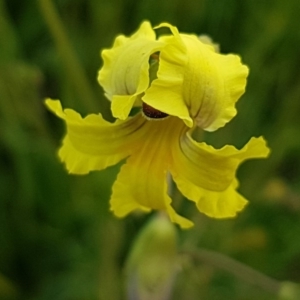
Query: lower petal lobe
{"type": "Point", "coordinates": [225, 204]}
{"type": "Point", "coordinates": [142, 181]}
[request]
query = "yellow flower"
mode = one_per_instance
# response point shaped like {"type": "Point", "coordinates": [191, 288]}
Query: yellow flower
{"type": "Point", "coordinates": [180, 83]}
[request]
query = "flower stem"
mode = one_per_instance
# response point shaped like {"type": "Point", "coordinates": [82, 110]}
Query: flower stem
{"type": "Point", "coordinates": [236, 268]}
{"type": "Point", "coordinates": [69, 58]}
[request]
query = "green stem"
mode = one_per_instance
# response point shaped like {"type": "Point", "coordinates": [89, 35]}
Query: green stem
{"type": "Point", "coordinates": [236, 268]}
{"type": "Point", "coordinates": [74, 68]}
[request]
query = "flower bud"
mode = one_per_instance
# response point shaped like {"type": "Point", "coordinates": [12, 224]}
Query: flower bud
{"type": "Point", "coordinates": [151, 266]}
{"type": "Point", "coordinates": [289, 291]}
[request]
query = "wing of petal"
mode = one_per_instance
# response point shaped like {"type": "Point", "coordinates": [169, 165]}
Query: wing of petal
{"type": "Point", "coordinates": [209, 168]}
{"type": "Point", "coordinates": [92, 143]}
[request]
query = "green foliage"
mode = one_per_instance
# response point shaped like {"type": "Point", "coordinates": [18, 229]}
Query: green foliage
{"type": "Point", "coordinates": [58, 239]}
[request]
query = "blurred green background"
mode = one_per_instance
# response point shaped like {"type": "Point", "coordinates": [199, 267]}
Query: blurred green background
{"type": "Point", "coordinates": [58, 239]}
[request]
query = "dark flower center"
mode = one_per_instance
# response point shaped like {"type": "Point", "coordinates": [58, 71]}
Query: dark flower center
{"type": "Point", "coordinates": [152, 113]}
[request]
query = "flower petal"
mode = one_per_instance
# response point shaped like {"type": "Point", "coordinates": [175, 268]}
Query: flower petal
{"type": "Point", "coordinates": [209, 168]}
{"type": "Point", "coordinates": [92, 143]}
{"type": "Point", "coordinates": [144, 187]}
{"type": "Point", "coordinates": [125, 73]}
{"type": "Point", "coordinates": [225, 204]}
{"type": "Point", "coordinates": [193, 75]}
{"type": "Point", "coordinates": [213, 83]}
{"type": "Point", "coordinates": [165, 92]}
{"type": "Point", "coordinates": [142, 181]}
{"type": "Point", "coordinates": [233, 75]}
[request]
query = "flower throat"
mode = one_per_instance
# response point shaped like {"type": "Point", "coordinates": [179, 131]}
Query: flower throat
{"type": "Point", "coordinates": [148, 111]}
